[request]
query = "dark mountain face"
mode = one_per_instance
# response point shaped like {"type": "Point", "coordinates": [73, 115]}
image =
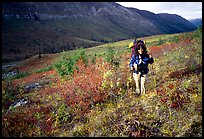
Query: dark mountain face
{"type": "Point", "coordinates": [197, 22]}
{"type": "Point", "coordinates": [48, 27]}
{"type": "Point", "coordinates": [167, 23]}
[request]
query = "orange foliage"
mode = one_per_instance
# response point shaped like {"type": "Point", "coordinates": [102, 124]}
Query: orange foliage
{"type": "Point", "coordinates": [83, 89]}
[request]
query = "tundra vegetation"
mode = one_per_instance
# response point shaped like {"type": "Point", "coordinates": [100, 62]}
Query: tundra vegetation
{"type": "Point", "coordinates": [90, 92]}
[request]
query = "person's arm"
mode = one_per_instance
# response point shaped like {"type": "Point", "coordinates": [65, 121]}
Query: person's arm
{"type": "Point", "coordinates": [132, 62]}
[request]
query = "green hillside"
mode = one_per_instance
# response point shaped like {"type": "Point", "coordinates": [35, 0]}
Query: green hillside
{"type": "Point", "coordinates": [90, 92]}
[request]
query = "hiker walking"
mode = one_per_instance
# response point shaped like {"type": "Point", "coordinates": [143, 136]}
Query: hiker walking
{"type": "Point", "coordinates": [134, 44]}
{"type": "Point", "coordinates": [139, 65]}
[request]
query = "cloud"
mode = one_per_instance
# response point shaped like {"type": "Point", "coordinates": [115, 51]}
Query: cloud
{"type": "Point", "coordinates": [188, 10]}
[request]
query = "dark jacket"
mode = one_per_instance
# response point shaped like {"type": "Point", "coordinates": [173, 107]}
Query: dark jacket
{"type": "Point", "coordinates": [143, 65]}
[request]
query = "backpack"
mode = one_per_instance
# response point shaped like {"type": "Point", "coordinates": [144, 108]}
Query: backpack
{"type": "Point", "coordinates": [136, 43]}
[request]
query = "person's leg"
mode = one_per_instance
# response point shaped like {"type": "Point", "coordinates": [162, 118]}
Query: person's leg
{"type": "Point", "coordinates": [137, 82]}
{"type": "Point", "coordinates": [143, 80]}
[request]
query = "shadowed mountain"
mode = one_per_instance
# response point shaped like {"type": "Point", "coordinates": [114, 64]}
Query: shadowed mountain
{"type": "Point", "coordinates": [197, 22]}
{"type": "Point", "coordinates": [30, 28]}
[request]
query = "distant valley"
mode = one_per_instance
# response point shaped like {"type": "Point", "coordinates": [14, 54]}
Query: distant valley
{"type": "Point", "coordinates": [32, 28]}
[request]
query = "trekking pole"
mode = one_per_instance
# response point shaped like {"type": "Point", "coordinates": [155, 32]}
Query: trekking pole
{"type": "Point", "coordinates": [155, 82]}
{"type": "Point", "coordinates": [154, 78]}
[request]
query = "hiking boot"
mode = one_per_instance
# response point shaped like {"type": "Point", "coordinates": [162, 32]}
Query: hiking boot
{"type": "Point", "coordinates": [137, 92]}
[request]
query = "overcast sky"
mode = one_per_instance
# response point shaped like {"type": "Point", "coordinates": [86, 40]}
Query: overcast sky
{"type": "Point", "coordinates": [188, 10]}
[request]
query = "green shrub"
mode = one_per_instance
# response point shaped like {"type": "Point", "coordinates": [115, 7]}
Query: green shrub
{"type": "Point", "coordinates": [84, 57]}
{"type": "Point", "coordinates": [160, 41]}
{"type": "Point", "coordinates": [175, 39]}
{"type": "Point", "coordinates": [111, 57]}
{"type": "Point", "coordinates": [66, 65]}
{"type": "Point", "coordinates": [198, 34]}
{"type": "Point", "coordinates": [63, 115]}
{"type": "Point", "coordinates": [110, 54]}
{"type": "Point", "coordinates": [22, 75]}
{"type": "Point", "coordinates": [43, 70]}
{"type": "Point", "coordinates": [93, 60]}
{"type": "Point", "coordinates": [188, 36]}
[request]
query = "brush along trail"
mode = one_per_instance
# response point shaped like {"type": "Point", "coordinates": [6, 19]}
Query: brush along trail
{"type": "Point", "coordinates": [90, 92]}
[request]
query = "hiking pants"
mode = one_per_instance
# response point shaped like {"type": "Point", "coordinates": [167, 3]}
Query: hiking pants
{"type": "Point", "coordinates": [140, 82]}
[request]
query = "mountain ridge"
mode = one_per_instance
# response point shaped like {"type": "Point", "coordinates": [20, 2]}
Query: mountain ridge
{"type": "Point", "coordinates": [38, 25]}
{"type": "Point", "coordinates": [197, 22]}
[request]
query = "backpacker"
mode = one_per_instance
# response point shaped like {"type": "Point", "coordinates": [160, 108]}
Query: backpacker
{"type": "Point", "coordinates": [135, 44]}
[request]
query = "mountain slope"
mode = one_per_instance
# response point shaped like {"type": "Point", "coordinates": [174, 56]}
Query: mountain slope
{"type": "Point", "coordinates": [197, 22]}
{"type": "Point", "coordinates": [49, 27]}
{"type": "Point", "coordinates": [167, 23]}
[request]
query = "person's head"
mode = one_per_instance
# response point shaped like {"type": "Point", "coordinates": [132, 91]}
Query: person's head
{"type": "Point", "coordinates": [141, 49]}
